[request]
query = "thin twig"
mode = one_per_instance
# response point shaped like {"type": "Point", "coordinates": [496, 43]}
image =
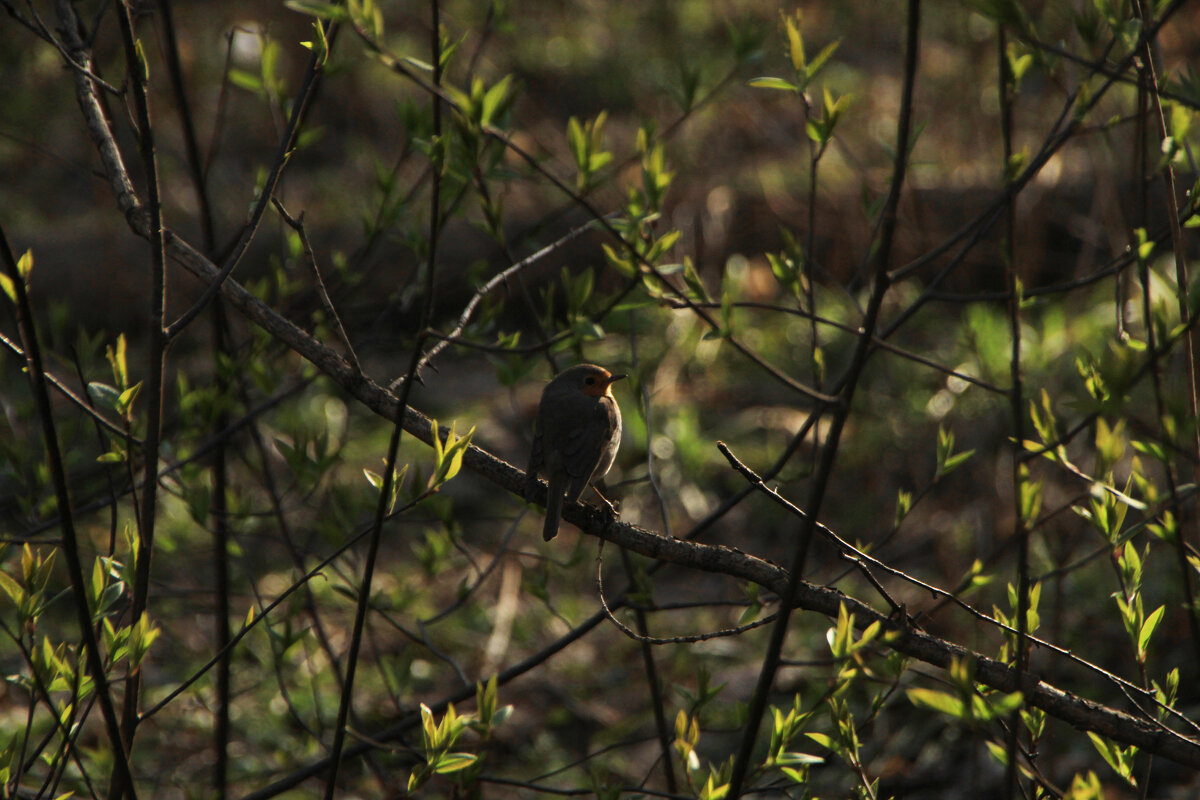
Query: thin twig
{"type": "Point", "coordinates": [138, 78]}
{"type": "Point", "coordinates": [491, 285]}
{"type": "Point", "coordinates": [298, 226]}
{"type": "Point", "coordinates": [287, 143]}
{"type": "Point", "coordinates": [79, 402]}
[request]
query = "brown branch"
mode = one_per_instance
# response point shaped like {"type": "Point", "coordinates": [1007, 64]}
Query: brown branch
{"type": "Point", "coordinates": [311, 257]}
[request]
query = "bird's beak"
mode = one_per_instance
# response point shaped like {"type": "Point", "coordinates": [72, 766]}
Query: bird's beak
{"type": "Point", "coordinates": [614, 378]}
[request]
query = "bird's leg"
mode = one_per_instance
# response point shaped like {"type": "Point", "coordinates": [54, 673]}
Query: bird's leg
{"type": "Point", "coordinates": [608, 506]}
{"type": "Point", "coordinates": [537, 459]}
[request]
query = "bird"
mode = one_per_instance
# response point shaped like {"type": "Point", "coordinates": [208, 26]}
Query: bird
{"type": "Point", "coordinates": [575, 440]}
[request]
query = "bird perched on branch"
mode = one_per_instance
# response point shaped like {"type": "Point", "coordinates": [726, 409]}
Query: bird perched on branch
{"type": "Point", "coordinates": [575, 438]}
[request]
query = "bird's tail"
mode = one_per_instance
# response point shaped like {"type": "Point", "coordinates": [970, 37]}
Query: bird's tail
{"type": "Point", "coordinates": [554, 502]}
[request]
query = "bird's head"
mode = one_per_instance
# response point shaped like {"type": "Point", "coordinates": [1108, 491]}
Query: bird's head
{"type": "Point", "coordinates": [590, 379]}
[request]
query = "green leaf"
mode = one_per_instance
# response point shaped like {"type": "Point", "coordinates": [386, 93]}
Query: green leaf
{"type": "Point", "coordinates": [141, 638]}
{"type": "Point", "coordinates": [662, 244]}
{"type": "Point", "coordinates": [622, 264]}
{"type": "Point", "coordinates": [1030, 493]}
{"type": "Point", "coordinates": [98, 576]}
{"type": "Point", "coordinates": [586, 142]}
{"type": "Point", "coordinates": [576, 140]}
{"type": "Point", "coordinates": [587, 330]}
{"type": "Point", "coordinates": [943, 703]}
{"type": "Point", "coordinates": [694, 284]}
{"type": "Point", "coordinates": [796, 776]}
{"type": "Point", "coordinates": [903, 506]}
{"type": "Point", "coordinates": [802, 759]}
{"type": "Point", "coordinates": [453, 762]}
{"type": "Point", "coordinates": [13, 589]}
{"type": "Point", "coordinates": [787, 272]}
{"type": "Point", "coordinates": [795, 37]}
{"type": "Point", "coordinates": [821, 739]}
{"type": "Point", "coordinates": [116, 359]}
{"type": "Point", "coordinates": [955, 461]}
{"type": "Point", "coordinates": [947, 459]}
{"type": "Point", "coordinates": [998, 752]}
{"type": "Point", "coordinates": [1153, 449]}
{"type": "Point", "coordinates": [1086, 787]}
{"type": "Point", "coordinates": [494, 100]}
{"type": "Point", "coordinates": [456, 455]}
{"type": "Point", "coordinates": [768, 82]}
{"type": "Point", "coordinates": [1118, 758]}
{"type": "Point", "coordinates": [105, 395]}
{"type": "Point", "coordinates": [24, 269]}
{"type": "Point", "coordinates": [25, 265]}
{"type": "Point", "coordinates": [713, 790]}
{"type": "Point", "coordinates": [448, 456]}
{"type": "Point", "coordinates": [417, 63]}
{"type": "Point", "coordinates": [373, 478]}
{"type": "Point", "coordinates": [126, 398]}
{"type": "Point", "coordinates": [1018, 64]}
{"type": "Point", "coordinates": [246, 80]}
{"type": "Point", "coordinates": [320, 47]}
{"type": "Point", "coordinates": [1002, 705]}
{"type": "Point", "coordinates": [143, 65]}
{"type": "Point", "coordinates": [1148, 627]}
{"type": "Point", "coordinates": [315, 8]}
{"type": "Point", "coordinates": [598, 161]}
{"type": "Point", "coordinates": [826, 53]}
{"type": "Point", "coordinates": [1143, 245]}
{"type": "Point", "coordinates": [842, 637]}
{"type": "Point", "coordinates": [367, 15]}
{"type": "Point", "coordinates": [1015, 166]}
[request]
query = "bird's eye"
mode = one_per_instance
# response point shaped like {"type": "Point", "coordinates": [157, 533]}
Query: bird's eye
{"type": "Point", "coordinates": [589, 381]}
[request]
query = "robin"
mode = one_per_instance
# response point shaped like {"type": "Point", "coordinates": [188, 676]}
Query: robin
{"type": "Point", "coordinates": [575, 438]}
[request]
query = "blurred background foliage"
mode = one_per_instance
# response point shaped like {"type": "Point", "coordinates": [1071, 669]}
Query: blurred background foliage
{"type": "Point", "coordinates": [465, 587]}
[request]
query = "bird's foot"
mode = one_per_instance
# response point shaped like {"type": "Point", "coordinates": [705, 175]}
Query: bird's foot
{"type": "Point", "coordinates": [609, 508]}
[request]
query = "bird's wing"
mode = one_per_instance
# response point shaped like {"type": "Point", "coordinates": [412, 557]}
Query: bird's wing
{"type": "Point", "coordinates": [583, 446]}
{"type": "Point", "coordinates": [537, 456]}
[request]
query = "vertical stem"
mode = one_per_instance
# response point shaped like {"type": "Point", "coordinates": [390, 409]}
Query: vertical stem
{"type": "Point", "coordinates": [841, 411]}
{"type": "Point", "coordinates": [221, 347]}
{"type": "Point", "coordinates": [58, 472]}
{"type": "Point", "coordinates": [810, 288]}
{"type": "Point", "coordinates": [221, 536]}
{"type": "Point", "coordinates": [652, 682]}
{"type": "Point", "coordinates": [1006, 90]}
{"type": "Point", "coordinates": [191, 146]}
{"type": "Point", "coordinates": [1190, 343]}
{"type": "Point", "coordinates": [155, 356]}
{"type": "Point", "coordinates": [364, 595]}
